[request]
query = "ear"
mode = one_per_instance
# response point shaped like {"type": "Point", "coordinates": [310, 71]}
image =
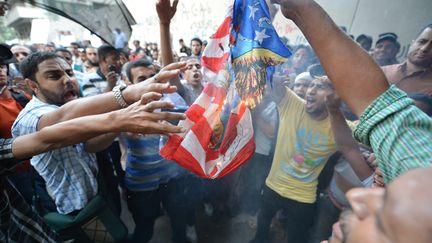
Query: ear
{"type": "Point", "coordinates": [33, 85]}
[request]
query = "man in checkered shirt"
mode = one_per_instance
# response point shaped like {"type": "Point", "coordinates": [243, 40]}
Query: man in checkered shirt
{"type": "Point", "coordinates": [70, 172]}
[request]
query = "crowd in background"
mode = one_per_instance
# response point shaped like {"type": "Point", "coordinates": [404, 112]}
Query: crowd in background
{"type": "Point", "coordinates": [304, 163]}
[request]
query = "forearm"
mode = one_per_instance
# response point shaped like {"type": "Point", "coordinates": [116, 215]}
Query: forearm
{"type": "Point", "coordinates": [81, 107]}
{"type": "Point", "coordinates": [100, 142]}
{"type": "Point", "coordinates": [356, 77]}
{"type": "Point", "coordinates": [63, 134]}
{"type": "Point", "coordinates": [346, 144]}
{"type": "Point", "coordinates": [167, 56]}
{"type": "Point", "coordinates": [166, 51]}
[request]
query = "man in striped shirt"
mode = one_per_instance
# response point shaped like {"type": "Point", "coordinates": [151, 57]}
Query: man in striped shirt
{"type": "Point", "coordinates": [105, 77]}
{"type": "Point", "coordinates": [151, 180]}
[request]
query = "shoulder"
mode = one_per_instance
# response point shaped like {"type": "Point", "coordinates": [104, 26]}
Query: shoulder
{"type": "Point", "coordinates": [290, 102]}
{"type": "Point", "coordinates": [28, 118]}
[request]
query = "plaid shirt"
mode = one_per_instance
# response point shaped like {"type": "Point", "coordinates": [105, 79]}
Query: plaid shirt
{"type": "Point", "coordinates": [69, 173]}
{"type": "Point", "coordinates": [18, 222]}
{"type": "Point", "coordinates": [7, 160]}
{"type": "Point", "coordinates": [399, 133]}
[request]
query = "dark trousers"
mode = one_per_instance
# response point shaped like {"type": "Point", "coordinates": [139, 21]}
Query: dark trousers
{"type": "Point", "coordinates": [327, 214]}
{"type": "Point", "coordinates": [298, 217]}
{"type": "Point", "coordinates": [145, 208]}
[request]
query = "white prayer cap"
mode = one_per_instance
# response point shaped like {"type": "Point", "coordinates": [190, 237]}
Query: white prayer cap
{"type": "Point", "coordinates": [304, 76]}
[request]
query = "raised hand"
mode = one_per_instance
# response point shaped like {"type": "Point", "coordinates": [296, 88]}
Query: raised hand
{"type": "Point", "coordinates": [287, 6]}
{"type": "Point", "coordinates": [332, 101]}
{"type": "Point", "coordinates": [166, 11]}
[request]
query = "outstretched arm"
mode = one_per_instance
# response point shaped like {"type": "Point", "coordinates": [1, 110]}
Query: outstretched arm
{"type": "Point", "coordinates": [137, 118]}
{"type": "Point", "coordinates": [106, 102]}
{"type": "Point", "coordinates": [166, 12]}
{"type": "Point", "coordinates": [346, 144]}
{"type": "Point", "coordinates": [356, 77]}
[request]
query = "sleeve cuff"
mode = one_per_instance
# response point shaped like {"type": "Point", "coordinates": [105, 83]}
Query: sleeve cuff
{"type": "Point", "coordinates": [388, 103]}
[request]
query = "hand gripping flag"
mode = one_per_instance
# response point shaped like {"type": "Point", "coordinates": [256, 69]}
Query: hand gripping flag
{"type": "Point", "coordinates": [219, 136]}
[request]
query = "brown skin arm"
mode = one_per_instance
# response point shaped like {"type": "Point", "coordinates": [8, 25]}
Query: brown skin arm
{"type": "Point", "coordinates": [355, 76]}
{"type": "Point", "coordinates": [106, 102]}
{"type": "Point", "coordinates": [344, 140]}
{"type": "Point", "coordinates": [166, 12]}
{"type": "Point", "coordinates": [137, 118]}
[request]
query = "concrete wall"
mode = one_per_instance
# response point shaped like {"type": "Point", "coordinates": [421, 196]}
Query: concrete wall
{"type": "Point", "coordinates": [201, 18]}
{"type": "Point", "coordinates": [372, 17]}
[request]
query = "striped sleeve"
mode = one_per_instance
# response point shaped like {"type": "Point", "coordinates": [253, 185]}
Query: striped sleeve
{"type": "Point", "coordinates": [398, 132]}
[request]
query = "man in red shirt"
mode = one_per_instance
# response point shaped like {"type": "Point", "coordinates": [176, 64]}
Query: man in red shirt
{"type": "Point", "coordinates": [11, 103]}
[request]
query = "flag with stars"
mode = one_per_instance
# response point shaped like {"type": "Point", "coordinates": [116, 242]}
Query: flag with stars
{"type": "Point", "coordinates": [219, 135]}
{"type": "Point", "coordinates": [255, 49]}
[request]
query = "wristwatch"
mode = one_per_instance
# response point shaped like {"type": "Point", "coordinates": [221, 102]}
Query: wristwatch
{"type": "Point", "coordinates": [117, 90]}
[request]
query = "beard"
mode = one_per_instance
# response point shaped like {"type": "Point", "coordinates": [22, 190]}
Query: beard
{"type": "Point", "coordinates": [59, 98]}
{"type": "Point", "coordinates": [94, 64]}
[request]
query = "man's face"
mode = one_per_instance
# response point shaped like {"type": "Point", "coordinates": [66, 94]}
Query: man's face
{"type": "Point", "coordinates": [140, 74]}
{"type": "Point", "coordinates": [20, 52]}
{"type": "Point", "coordinates": [3, 75]}
{"type": "Point", "coordinates": [74, 50]}
{"type": "Point", "coordinates": [196, 48]}
{"type": "Point", "coordinates": [56, 83]}
{"type": "Point", "coordinates": [66, 55]}
{"type": "Point", "coordinates": [300, 58]}
{"type": "Point", "coordinates": [400, 213]}
{"type": "Point", "coordinates": [91, 54]}
{"type": "Point", "coordinates": [193, 73]}
{"type": "Point", "coordinates": [385, 51]}
{"type": "Point", "coordinates": [112, 59]}
{"type": "Point", "coordinates": [316, 94]}
{"type": "Point", "coordinates": [300, 87]}
{"type": "Point", "coordinates": [365, 44]}
{"type": "Point", "coordinates": [420, 51]}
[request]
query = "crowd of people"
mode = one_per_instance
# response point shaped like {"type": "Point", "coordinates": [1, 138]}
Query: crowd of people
{"type": "Point", "coordinates": [342, 137]}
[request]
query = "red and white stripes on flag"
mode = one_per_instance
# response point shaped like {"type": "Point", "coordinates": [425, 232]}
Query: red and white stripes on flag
{"type": "Point", "coordinates": [194, 149]}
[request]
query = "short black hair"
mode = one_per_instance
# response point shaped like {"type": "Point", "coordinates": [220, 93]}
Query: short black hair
{"type": "Point", "coordinates": [75, 44]}
{"type": "Point", "coordinates": [104, 51]}
{"type": "Point", "coordinates": [63, 50]}
{"type": "Point", "coordinates": [197, 40]}
{"type": "Point", "coordinates": [29, 66]}
{"type": "Point", "coordinates": [137, 63]}
{"type": "Point", "coordinates": [122, 51]}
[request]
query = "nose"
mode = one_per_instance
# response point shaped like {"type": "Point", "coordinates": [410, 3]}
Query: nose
{"type": "Point", "coordinates": [68, 79]}
{"type": "Point", "coordinates": [311, 90]}
{"type": "Point", "coordinates": [426, 47]}
{"type": "Point", "coordinates": [365, 201]}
